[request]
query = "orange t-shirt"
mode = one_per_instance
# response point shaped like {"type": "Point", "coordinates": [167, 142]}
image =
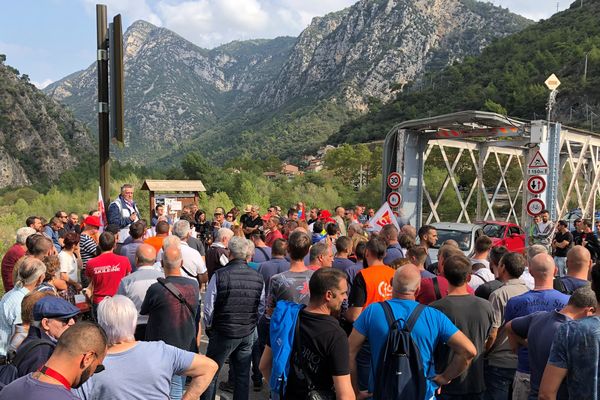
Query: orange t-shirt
{"type": "Point", "coordinates": [155, 241]}
{"type": "Point", "coordinates": [378, 281]}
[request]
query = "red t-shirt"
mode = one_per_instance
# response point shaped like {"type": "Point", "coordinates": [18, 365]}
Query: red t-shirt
{"type": "Point", "coordinates": [426, 293]}
{"type": "Point", "coordinates": [272, 237]}
{"type": "Point", "coordinates": [8, 263]}
{"type": "Point", "coordinates": [106, 272]}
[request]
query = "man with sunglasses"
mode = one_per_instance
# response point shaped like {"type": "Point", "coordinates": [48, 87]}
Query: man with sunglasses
{"type": "Point", "coordinates": [52, 317]}
{"type": "Point", "coordinates": [77, 356]}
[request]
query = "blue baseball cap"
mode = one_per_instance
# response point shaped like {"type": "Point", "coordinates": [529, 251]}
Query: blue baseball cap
{"type": "Point", "coordinates": [53, 307]}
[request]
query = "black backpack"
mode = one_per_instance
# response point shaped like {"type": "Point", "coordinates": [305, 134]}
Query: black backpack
{"type": "Point", "coordinates": [400, 374]}
{"type": "Point", "coordinates": [9, 371]}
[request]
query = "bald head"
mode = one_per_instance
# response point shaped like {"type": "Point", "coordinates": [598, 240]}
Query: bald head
{"type": "Point", "coordinates": [145, 255]}
{"type": "Point", "coordinates": [579, 261]}
{"type": "Point", "coordinates": [82, 338]}
{"type": "Point", "coordinates": [172, 258]}
{"type": "Point", "coordinates": [407, 280]}
{"type": "Point", "coordinates": [542, 268]}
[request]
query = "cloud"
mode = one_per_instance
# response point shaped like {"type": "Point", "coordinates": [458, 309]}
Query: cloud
{"type": "Point", "coordinates": [41, 85]}
{"type": "Point", "coordinates": [132, 10]}
{"type": "Point", "coordinates": [209, 23]}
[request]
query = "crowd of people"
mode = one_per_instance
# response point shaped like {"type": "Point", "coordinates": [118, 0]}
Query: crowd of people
{"type": "Point", "coordinates": [312, 304]}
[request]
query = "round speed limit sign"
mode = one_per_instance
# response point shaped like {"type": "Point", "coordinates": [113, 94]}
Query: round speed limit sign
{"type": "Point", "coordinates": [394, 180]}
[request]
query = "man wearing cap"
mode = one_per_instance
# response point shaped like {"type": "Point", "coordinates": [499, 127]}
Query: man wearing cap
{"type": "Point", "coordinates": [219, 221]}
{"type": "Point", "coordinates": [252, 223]}
{"type": "Point", "coordinates": [123, 211]}
{"type": "Point", "coordinates": [246, 217]}
{"type": "Point", "coordinates": [78, 355]}
{"type": "Point", "coordinates": [88, 241]}
{"type": "Point", "coordinates": [52, 316]}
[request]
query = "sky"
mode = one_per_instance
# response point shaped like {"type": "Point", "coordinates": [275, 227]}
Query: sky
{"type": "Point", "coordinates": [50, 39]}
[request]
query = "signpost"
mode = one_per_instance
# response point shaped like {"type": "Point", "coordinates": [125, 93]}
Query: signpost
{"type": "Point", "coordinates": [394, 181]}
{"type": "Point", "coordinates": [536, 184]}
{"type": "Point", "coordinates": [537, 165]}
{"type": "Point", "coordinates": [535, 207]}
{"type": "Point", "coordinates": [552, 82]}
{"type": "Point", "coordinates": [394, 199]}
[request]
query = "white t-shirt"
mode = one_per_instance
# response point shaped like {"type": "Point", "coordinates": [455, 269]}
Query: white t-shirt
{"type": "Point", "coordinates": [68, 265]}
{"type": "Point", "coordinates": [192, 261]}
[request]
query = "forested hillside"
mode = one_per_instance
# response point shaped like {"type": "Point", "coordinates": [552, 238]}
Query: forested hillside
{"type": "Point", "coordinates": [508, 77]}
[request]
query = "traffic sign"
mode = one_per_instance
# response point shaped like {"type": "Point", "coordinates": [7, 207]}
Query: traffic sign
{"type": "Point", "coordinates": [536, 184]}
{"type": "Point", "coordinates": [394, 180]}
{"type": "Point", "coordinates": [535, 207]}
{"type": "Point", "coordinates": [394, 199]}
{"type": "Point", "coordinates": [537, 165]}
{"type": "Point", "coordinates": [552, 82]}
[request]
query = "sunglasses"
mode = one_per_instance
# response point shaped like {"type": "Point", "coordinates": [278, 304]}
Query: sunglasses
{"type": "Point", "coordinates": [66, 320]}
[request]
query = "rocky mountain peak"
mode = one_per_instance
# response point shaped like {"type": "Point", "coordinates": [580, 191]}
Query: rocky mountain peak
{"type": "Point", "coordinates": [177, 92]}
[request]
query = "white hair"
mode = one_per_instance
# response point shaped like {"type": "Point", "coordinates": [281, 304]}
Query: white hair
{"type": "Point", "coordinates": [170, 241]}
{"type": "Point", "coordinates": [251, 248]}
{"type": "Point", "coordinates": [238, 247]}
{"type": "Point", "coordinates": [30, 271]}
{"type": "Point", "coordinates": [357, 227]}
{"type": "Point", "coordinates": [23, 234]}
{"type": "Point", "coordinates": [223, 233]}
{"type": "Point", "coordinates": [181, 229]}
{"type": "Point", "coordinates": [117, 315]}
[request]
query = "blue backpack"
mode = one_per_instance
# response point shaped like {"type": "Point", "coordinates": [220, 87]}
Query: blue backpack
{"type": "Point", "coordinates": [400, 374]}
{"type": "Point", "coordinates": [282, 329]}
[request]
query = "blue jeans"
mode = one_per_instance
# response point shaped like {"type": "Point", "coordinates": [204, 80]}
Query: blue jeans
{"type": "Point", "coordinates": [239, 352]}
{"type": "Point", "coordinates": [561, 264]}
{"type": "Point", "coordinates": [363, 365]}
{"type": "Point", "coordinates": [498, 382]}
{"type": "Point", "coordinates": [177, 385]}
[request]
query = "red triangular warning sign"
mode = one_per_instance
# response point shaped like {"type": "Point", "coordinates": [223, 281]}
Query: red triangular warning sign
{"type": "Point", "coordinates": [538, 161]}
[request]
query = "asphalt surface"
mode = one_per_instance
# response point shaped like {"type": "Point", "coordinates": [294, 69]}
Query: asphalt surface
{"type": "Point", "coordinates": [262, 395]}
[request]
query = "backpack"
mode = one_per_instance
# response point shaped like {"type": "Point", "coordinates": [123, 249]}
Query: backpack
{"type": "Point", "coordinates": [282, 328]}
{"type": "Point", "coordinates": [400, 373]}
{"type": "Point", "coordinates": [9, 371]}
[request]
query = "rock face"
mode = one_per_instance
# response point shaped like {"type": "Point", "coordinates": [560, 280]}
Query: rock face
{"type": "Point", "coordinates": [39, 138]}
{"type": "Point", "coordinates": [179, 95]}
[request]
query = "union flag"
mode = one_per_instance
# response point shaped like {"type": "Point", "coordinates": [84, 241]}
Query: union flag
{"type": "Point", "coordinates": [384, 216]}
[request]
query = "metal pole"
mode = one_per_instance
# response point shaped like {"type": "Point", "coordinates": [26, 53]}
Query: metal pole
{"type": "Point", "coordinates": [103, 131]}
{"type": "Point", "coordinates": [585, 66]}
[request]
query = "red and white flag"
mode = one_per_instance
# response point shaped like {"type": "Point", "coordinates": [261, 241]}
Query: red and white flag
{"type": "Point", "coordinates": [384, 216]}
{"type": "Point", "coordinates": [101, 210]}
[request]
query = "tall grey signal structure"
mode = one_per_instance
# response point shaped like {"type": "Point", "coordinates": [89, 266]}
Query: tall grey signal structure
{"type": "Point", "coordinates": [110, 92]}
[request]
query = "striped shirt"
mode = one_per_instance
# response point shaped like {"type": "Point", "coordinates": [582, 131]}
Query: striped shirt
{"type": "Point", "coordinates": [87, 249]}
{"type": "Point", "coordinates": [10, 315]}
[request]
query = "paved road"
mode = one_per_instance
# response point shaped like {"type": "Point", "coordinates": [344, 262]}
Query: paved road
{"type": "Point", "coordinates": [262, 395]}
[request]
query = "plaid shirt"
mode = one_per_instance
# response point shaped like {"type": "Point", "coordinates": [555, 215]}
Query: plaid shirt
{"type": "Point", "coordinates": [10, 315]}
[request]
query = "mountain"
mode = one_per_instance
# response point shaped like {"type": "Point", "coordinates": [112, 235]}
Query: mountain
{"type": "Point", "coordinates": [39, 138]}
{"type": "Point", "coordinates": [508, 77]}
{"type": "Point", "coordinates": [286, 95]}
